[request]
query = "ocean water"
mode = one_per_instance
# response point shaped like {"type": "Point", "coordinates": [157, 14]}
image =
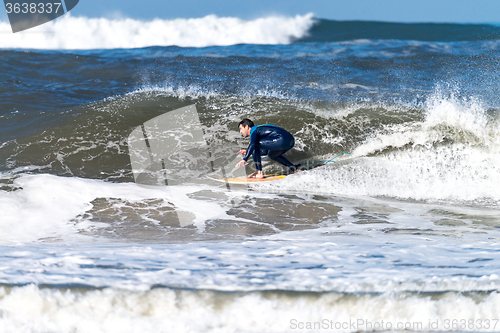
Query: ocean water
{"type": "Point", "coordinates": [403, 234]}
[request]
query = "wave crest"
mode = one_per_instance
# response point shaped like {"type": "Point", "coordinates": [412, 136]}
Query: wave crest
{"type": "Point", "coordinates": [101, 33]}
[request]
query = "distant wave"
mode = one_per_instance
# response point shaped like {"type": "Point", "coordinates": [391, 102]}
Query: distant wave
{"type": "Point", "coordinates": [335, 31]}
{"type": "Point", "coordinates": [101, 33]}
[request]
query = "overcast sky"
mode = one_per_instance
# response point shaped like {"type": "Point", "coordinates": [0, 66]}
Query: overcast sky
{"type": "Point", "coordinates": [452, 11]}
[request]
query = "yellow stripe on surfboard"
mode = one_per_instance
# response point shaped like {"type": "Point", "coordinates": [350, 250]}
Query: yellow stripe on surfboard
{"type": "Point", "coordinates": [246, 180]}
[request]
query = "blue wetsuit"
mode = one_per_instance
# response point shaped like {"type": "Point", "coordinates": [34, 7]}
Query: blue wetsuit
{"type": "Point", "coordinates": [271, 140]}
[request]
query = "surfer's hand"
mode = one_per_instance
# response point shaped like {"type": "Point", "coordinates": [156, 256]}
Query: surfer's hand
{"type": "Point", "coordinates": [243, 152]}
{"type": "Point", "coordinates": [241, 163]}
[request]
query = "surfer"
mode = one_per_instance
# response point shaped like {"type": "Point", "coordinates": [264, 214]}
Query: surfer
{"type": "Point", "coordinates": [265, 139]}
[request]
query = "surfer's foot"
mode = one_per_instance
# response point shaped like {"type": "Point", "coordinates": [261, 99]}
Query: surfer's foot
{"type": "Point", "coordinates": [295, 168]}
{"type": "Point", "coordinates": [257, 174]}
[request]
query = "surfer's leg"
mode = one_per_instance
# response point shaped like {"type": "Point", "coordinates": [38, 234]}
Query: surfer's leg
{"type": "Point", "coordinates": [256, 158]}
{"type": "Point", "coordinates": [277, 155]}
{"type": "Point", "coordinates": [278, 147]}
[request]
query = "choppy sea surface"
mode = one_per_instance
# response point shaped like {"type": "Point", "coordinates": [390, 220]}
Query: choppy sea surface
{"type": "Point", "coordinates": [402, 234]}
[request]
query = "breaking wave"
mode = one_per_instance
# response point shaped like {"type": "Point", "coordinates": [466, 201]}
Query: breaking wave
{"type": "Point", "coordinates": [101, 33]}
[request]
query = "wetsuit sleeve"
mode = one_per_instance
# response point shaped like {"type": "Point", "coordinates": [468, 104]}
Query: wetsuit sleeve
{"type": "Point", "coordinates": [254, 139]}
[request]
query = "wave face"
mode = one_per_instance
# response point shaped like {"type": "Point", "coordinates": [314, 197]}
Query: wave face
{"type": "Point", "coordinates": [100, 33]}
{"type": "Point", "coordinates": [446, 148]}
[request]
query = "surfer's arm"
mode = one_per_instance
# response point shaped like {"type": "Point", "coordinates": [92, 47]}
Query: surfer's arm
{"type": "Point", "coordinates": [242, 162]}
{"type": "Point", "coordinates": [254, 139]}
{"type": "Point", "coordinates": [248, 151]}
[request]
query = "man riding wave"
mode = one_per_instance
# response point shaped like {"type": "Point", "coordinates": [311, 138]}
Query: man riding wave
{"type": "Point", "coordinates": [265, 139]}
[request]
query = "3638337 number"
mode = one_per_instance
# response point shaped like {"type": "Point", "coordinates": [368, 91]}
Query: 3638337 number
{"type": "Point", "coordinates": [33, 8]}
{"type": "Point", "coordinates": [471, 324]}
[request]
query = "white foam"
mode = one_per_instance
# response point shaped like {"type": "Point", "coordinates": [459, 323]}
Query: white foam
{"type": "Point", "coordinates": [345, 257]}
{"type": "Point", "coordinates": [47, 206]}
{"type": "Point", "coordinates": [30, 309]}
{"type": "Point", "coordinates": [453, 154]}
{"type": "Point", "coordinates": [182, 92]}
{"type": "Point", "coordinates": [445, 173]}
{"type": "Point", "coordinates": [329, 264]}
{"type": "Point", "coordinates": [450, 117]}
{"type": "Point", "coordinates": [71, 32]}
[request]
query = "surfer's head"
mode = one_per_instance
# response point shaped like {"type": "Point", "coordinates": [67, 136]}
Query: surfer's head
{"type": "Point", "coordinates": [245, 125]}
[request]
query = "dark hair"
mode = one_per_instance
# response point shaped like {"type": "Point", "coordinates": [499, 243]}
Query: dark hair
{"type": "Point", "coordinates": [246, 122]}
